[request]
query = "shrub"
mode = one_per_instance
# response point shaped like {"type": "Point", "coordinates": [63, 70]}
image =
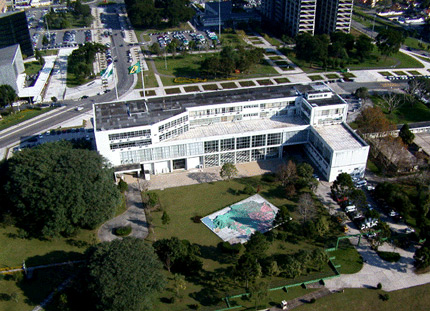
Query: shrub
{"type": "Point", "coordinates": [384, 297]}
{"type": "Point", "coordinates": [312, 300]}
{"type": "Point", "coordinates": [379, 286]}
{"type": "Point", "coordinates": [122, 231]}
{"type": "Point", "coordinates": [249, 190]}
{"type": "Point", "coordinates": [197, 218]}
{"type": "Point", "coordinates": [389, 256]}
{"type": "Point", "coordinates": [122, 186]}
{"type": "Point", "coordinates": [152, 198]}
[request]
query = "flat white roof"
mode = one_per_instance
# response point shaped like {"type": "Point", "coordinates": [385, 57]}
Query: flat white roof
{"type": "Point", "coordinates": [239, 127]}
{"type": "Point", "coordinates": [338, 137]}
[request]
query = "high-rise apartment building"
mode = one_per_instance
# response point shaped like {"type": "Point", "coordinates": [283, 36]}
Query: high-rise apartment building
{"type": "Point", "coordinates": [333, 15]}
{"type": "Point", "coordinates": [13, 30]}
{"type": "Point", "coordinates": [311, 16]}
{"type": "Point", "coordinates": [293, 16]}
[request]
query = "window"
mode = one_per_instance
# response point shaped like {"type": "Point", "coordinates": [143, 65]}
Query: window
{"type": "Point", "coordinates": [227, 144]}
{"type": "Point", "coordinates": [130, 144]}
{"type": "Point", "coordinates": [129, 134]}
{"type": "Point", "coordinates": [211, 146]}
{"type": "Point", "coordinates": [258, 140]}
{"type": "Point", "coordinates": [274, 139]}
{"type": "Point", "coordinates": [242, 142]}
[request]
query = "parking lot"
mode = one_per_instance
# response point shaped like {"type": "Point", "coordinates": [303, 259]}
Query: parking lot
{"type": "Point", "coordinates": [201, 39]}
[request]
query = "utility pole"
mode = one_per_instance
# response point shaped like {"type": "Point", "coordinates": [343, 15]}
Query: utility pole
{"type": "Point", "coordinates": [219, 18]}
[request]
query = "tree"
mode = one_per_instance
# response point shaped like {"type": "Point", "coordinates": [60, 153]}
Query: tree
{"type": "Point", "coordinates": [274, 269]}
{"type": "Point", "coordinates": [287, 173]}
{"type": "Point", "coordinates": [54, 189]}
{"type": "Point", "coordinates": [228, 171]}
{"type": "Point", "coordinates": [422, 257]}
{"type": "Point", "coordinates": [373, 120]}
{"type": "Point", "coordinates": [123, 275]}
{"type": "Point", "coordinates": [45, 40]}
{"type": "Point", "coordinates": [39, 57]}
{"type": "Point", "coordinates": [319, 258]}
{"type": "Point", "coordinates": [342, 186]}
{"type": "Point", "coordinates": [7, 95]}
{"type": "Point", "coordinates": [294, 268]}
{"type": "Point", "coordinates": [258, 292]}
{"type": "Point", "coordinates": [257, 245]}
{"type": "Point", "coordinates": [169, 251]}
{"type": "Point", "coordinates": [165, 219]}
{"type": "Point", "coordinates": [391, 102]}
{"type": "Point", "coordinates": [248, 268]}
{"type": "Point", "coordinates": [305, 170]}
{"type": "Point", "coordinates": [155, 49]}
{"type": "Point", "coordinates": [306, 207]}
{"type": "Point", "coordinates": [311, 48]}
{"type": "Point", "coordinates": [389, 41]}
{"type": "Point", "coordinates": [362, 93]}
{"type": "Point", "coordinates": [406, 135]}
{"type": "Point", "coordinates": [364, 47]}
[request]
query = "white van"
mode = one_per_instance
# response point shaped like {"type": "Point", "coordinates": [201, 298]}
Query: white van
{"type": "Point", "coordinates": [350, 209]}
{"type": "Point", "coordinates": [361, 183]}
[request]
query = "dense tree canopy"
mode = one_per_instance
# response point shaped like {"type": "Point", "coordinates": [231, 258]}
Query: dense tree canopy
{"type": "Point", "coordinates": [229, 60]}
{"type": "Point", "coordinates": [123, 275]}
{"type": "Point", "coordinates": [158, 13]}
{"type": "Point", "coordinates": [54, 189]}
{"type": "Point", "coordinates": [80, 62]}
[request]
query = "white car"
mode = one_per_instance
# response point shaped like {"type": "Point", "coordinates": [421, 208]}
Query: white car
{"type": "Point", "coordinates": [409, 230]}
{"type": "Point", "coordinates": [79, 108]}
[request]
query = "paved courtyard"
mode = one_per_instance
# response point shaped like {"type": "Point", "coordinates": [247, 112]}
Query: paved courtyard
{"type": "Point", "coordinates": [197, 176]}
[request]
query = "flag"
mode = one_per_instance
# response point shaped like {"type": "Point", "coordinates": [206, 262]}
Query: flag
{"type": "Point", "coordinates": [134, 69]}
{"type": "Point", "coordinates": [106, 73]}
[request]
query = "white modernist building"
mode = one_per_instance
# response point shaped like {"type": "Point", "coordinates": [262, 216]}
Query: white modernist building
{"type": "Point", "coordinates": [182, 132]}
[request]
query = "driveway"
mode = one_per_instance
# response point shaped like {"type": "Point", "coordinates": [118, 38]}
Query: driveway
{"type": "Point", "coordinates": [133, 216]}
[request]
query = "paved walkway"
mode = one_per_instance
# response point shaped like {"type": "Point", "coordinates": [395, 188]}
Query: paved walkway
{"type": "Point", "coordinates": [134, 216]}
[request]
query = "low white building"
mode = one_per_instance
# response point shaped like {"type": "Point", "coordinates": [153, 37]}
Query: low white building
{"type": "Point", "coordinates": [208, 129]}
{"type": "Point", "coordinates": [11, 66]}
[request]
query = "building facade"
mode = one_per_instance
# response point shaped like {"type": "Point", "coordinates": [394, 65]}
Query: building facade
{"type": "Point", "coordinates": [311, 16]}
{"type": "Point", "coordinates": [334, 15]}
{"type": "Point", "coordinates": [200, 130]}
{"type": "Point", "coordinates": [11, 66]}
{"type": "Point", "coordinates": [293, 16]}
{"type": "Point", "coordinates": [13, 30]}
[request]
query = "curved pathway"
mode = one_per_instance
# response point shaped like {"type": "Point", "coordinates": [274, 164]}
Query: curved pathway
{"type": "Point", "coordinates": [133, 216]}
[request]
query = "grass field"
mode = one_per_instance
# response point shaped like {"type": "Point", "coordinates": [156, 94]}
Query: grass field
{"type": "Point", "coordinates": [414, 298]}
{"type": "Point", "coordinates": [71, 80]}
{"type": "Point", "coordinates": [174, 90]}
{"type": "Point", "coordinates": [183, 203]}
{"type": "Point", "coordinates": [229, 85]}
{"type": "Point", "coordinates": [375, 61]}
{"type": "Point", "coordinates": [32, 68]}
{"type": "Point", "coordinates": [150, 80]}
{"type": "Point", "coordinates": [282, 80]}
{"type": "Point", "coordinates": [13, 250]}
{"type": "Point", "coordinates": [246, 83]}
{"type": "Point", "coordinates": [189, 66]}
{"type": "Point", "coordinates": [21, 116]}
{"type": "Point", "coordinates": [400, 73]}
{"type": "Point", "coordinates": [332, 76]}
{"type": "Point", "coordinates": [316, 77]}
{"type": "Point", "coordinates": [191, 88]}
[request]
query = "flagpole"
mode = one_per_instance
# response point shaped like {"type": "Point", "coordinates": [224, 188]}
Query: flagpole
{"type": "Point", "coordinates": [143, 81]}
{"type": "Point", "coordinates": [114, 81]}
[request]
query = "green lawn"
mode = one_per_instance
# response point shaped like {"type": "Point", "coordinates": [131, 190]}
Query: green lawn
{"type": "Point", "coordinates": [231, 39]}
{"type": "Point", "coordinates": [150, 80]}
{"type": "Point", "coordinates": [32, 68]}
{"type": "Point", "coordinates": [174, 90]}
{"type": "Point", "coordinates": [348, 257]}
{"type": "Point", "coordinates": [400, 73]}
{"type": "Point", "coordinates": [13, 250]}
{"type": "Point", "coordinates": [414, 73]}
{"type": "Point", "coordinates": [414, 298]}
{"type": "Point", "coordinates": [332, 76]}
{"type": "Point", "coordinates": [385, 73]}
{"type": "Point", "coordinates": [264, 82]}
{"type": "Point", "coordinates": [49, 52]}
{"type": "Point", "coordinates": [21, 116]}
{"type": "Point", "coordinates": [246, 83]}
{"type": "Point", "coordinates": [316, 77]}
{"type": "Point", "coordinates": [408, 114]}
{"type": "Point", "coordinates": [32, 292]}
{"type": "Point", "coordinates": [188, 67]}
{"type": "Point", "coordinates": [229, 85]}
{"type": "Point", "coordinates": [191, 88]}
{"type": "Point", "coordinates": [348, 75]}
{"type": "Point", "coordinates": [375, 61]}
{"type": "Point", "coordinates": [282, 80]}
{"type": "Point", "coordinates": [210, 87]}
{"type": "Point", "coordinates": [183, 203]}
{"type": "Point", "coordinates": [72, 81]}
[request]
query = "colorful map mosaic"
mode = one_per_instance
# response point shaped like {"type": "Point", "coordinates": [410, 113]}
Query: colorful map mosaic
{"type": "Point", "coordinates": [237, 222]}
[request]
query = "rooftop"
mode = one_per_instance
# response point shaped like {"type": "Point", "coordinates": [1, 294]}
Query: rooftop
{"type": "Point", "coordinates": [339, 137]}
{"type": "Point", "coordinates": [7, 54]}
{"type": "Point", "coordinates": [118, 115]}
{"type": "Point", "coordinates": [239, 127]}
